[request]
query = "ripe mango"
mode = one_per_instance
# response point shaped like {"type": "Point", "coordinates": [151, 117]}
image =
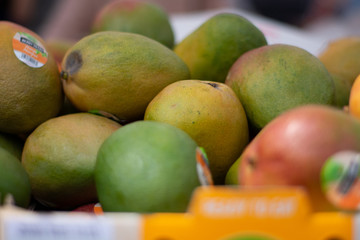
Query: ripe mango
{"type": "Point", "coordinates": [274, 78]}
{"type": "Point", "coordinates": [13, 180]}
{"type": "Point", "coordinates": [141, 17]}
{"type": "Point", "coordinates": [212, 48]}
{"type": "Point", "coordinates": [59, 157]}
{"type": "Point", "coordinates": [118, 73]}
{"type": "Point", "coordinates": [146, 167]}
{"type": "Point", "coordinates": [341, 57]}
{"type": "Point", "coordinates": [292, 149]}
{"type": "Point", "coordinates": [30, 90]}
{"type": "Point", "coordinates": [211, 114]}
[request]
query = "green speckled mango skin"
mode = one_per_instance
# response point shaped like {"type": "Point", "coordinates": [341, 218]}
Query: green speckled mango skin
{"type": "Point", "coordinates": [118, 73]}
{"type": "Point", "coordinates": [275, 78]}
{"type": "Point", "coordinates": [211, 49]}
{"type": "Point", "coordinates": [144, 18]}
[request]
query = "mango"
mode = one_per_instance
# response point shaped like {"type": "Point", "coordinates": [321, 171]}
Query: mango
{"type": "Point", "coordinates": [146, 167]}
{"type": "Point", "coordinates": [145, 18]}
{"type": "Point", "coordinates": [341, 57]}
{"type": "Point", "coordinates": [292, 149]}
{"type": "Point", "coordinates": [272, 79]}
{"type": "Point", "coordinates": [118, 73]}
{"type": "Point", "coordinates": [14, 180]}
{"type": "Point", "coordinates": [211, 49]}
{"type": "Point", "coordinates": [211, 114]}
{"type": "Point", "coordinates": [59, 156]}
{"type": "Point", "coordinates": [30, 87]}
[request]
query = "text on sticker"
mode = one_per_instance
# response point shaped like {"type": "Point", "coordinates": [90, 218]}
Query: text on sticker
{"type": "Point", "coordinates": [258, 207]}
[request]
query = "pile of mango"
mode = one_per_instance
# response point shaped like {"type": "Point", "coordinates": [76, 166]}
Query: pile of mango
{"type": "Point", "coordinates": [131, 119]}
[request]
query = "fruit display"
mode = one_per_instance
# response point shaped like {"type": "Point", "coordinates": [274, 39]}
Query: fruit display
{"type": "Point", "coordinates": [125, 121]}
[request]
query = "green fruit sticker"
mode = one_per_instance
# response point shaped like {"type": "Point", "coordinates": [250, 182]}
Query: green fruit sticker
{"type": "Point", "coordinates": [29, 50]}
{"type": "Point", "coordinates": [202, 167]}
{"type": "Point", "coordinates": [340, 180]}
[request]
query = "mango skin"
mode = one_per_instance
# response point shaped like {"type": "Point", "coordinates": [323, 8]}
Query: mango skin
{"type": "Point", "coordinates": [145, 18]}
{"type": "Point", "coordinates": [12, 143]}
{"type": "Point", "coordinates": [146, 167]}
{"type": "Point", "coordinates": [272, 79]}
{"type": "Point", "coordinates": [232, 177]}
{"type": "Point", "coordinates": [341, 57]}
{"type": "Point", "coordinates": [59, 157]}
{"type": "Point", "coordinates": [28, 96]}
{"type": "Point", "coordinates": [342, 91]}
{"type": "Point", "coordinates": [291, 149]}
{"type": "Point", "coordinates": [211, 49]}
{"type": "Point", "coordinates": [354, 98]}
{"type": "Point", "coordinates": [58, 47]}
{"type": "Point", "coordinates": [211, 114]}
{"type": "Point", "coordinates": [13, 180]}
{"type": "Point", "coordinates": [118, 73]}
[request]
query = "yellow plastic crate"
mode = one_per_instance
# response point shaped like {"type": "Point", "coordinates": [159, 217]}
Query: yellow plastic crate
{"type": "Point", "coordinates": [215, 212]}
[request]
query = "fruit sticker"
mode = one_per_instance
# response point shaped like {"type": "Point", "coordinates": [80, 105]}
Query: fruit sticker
{"type": "Point", "coordinates": [340, 180]}
{"type": "Point", "coordinates": [202, 167]}
{"type": "Point", "coordinates": [29, 50]}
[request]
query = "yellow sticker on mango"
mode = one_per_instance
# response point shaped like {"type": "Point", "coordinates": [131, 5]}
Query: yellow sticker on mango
{"type": "Point", "coordinates": [29, 50]}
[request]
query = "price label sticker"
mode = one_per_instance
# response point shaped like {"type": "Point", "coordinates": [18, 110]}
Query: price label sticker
{"type": "Point", "coordinates": [29, 50]}
{"type": "Point", "coordinates": [58, 227]}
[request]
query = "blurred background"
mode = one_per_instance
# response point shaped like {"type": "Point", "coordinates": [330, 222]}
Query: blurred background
{"type": "Point", "coordinates": [71, 19]}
